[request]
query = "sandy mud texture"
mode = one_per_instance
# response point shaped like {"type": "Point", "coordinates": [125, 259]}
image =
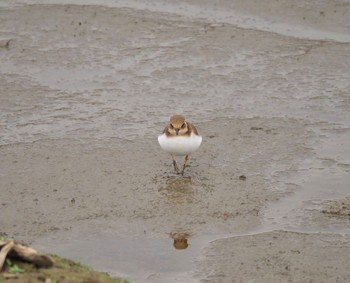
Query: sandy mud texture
{"type": "Point", "coordinates": [86, 89]}
{"type": "Point", "coordinates": [279, 256]}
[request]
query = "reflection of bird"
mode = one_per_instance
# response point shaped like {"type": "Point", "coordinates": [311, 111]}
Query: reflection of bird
{"type": "Point", "coordinates": [179, 138]}
{"type": "Point", "coordinates": [180, 240]}
{"type": "Point", "coordinates": [180, 243]}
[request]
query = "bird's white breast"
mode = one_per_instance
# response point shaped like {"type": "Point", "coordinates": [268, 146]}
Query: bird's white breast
{"type": "Point", "coordinates": [180, 145]}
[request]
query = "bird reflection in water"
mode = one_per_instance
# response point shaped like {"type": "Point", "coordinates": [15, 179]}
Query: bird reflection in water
{"type": "Point", "coordinates": [180, 240]}
{"type": "Point", "coordinates": [179, 195]}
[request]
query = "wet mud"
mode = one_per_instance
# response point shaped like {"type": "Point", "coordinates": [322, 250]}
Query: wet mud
{"type": "Point", "coordinates": [85, 91]}
{"type": "Point", "coordinates": [270, 256]}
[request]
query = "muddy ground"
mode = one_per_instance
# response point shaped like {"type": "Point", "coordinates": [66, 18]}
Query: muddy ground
{"type": "Point", "coordinates": [86, 89]}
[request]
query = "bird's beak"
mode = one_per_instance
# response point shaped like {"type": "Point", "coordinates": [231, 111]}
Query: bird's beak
{"type": "Point", "coordinates": [177, 131]}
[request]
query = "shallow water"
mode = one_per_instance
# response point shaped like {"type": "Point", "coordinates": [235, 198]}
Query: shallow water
{"type": "Point", "coordinates": [304, 20]}
{"type": "Point", "coordinates": [143, 259]}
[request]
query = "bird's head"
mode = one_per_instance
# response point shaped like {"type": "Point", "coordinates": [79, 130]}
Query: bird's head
{"type": "Point", "coordinates": [177, 125]}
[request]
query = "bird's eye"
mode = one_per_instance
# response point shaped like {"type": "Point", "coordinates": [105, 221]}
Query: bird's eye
{"type": "Point", "coordinates": [183, 125]}
{"type": "Point", "coordinates": [171, 126]}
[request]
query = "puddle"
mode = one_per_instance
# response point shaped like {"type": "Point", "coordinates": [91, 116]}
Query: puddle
{"type": "Point", "coordinates": [146, 259]}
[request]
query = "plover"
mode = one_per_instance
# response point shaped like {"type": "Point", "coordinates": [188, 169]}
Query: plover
{"type": "Point", "coordinates": [179, 138]}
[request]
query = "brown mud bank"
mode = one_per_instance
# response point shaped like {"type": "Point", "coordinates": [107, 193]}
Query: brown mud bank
{"type": "Point", "coordinates": [85, 90]}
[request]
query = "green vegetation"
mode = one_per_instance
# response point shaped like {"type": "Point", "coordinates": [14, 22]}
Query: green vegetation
{"type": "Point", "coordinates": [13, 268]}
{"type": "Point", "coordinates": [63, 271]}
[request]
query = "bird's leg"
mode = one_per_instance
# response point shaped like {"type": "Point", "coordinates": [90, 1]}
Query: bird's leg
{"type": "Point", "coordinates": [183, 168]}
{"type": "Point", "coordinates": [175, 164]}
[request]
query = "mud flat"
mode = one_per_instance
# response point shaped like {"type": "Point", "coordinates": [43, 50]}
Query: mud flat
{"type": "Point", "coordinates": [278, 256]}
{"type": "Point", "coordinates": [86, 89]}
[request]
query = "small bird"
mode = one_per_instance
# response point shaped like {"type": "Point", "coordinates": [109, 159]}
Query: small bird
{"type": "Point", "coordinates": [179, 138]}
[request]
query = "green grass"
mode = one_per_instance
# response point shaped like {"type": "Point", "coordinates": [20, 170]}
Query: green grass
{"type": "Point", "coordinates": [63, 271]}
